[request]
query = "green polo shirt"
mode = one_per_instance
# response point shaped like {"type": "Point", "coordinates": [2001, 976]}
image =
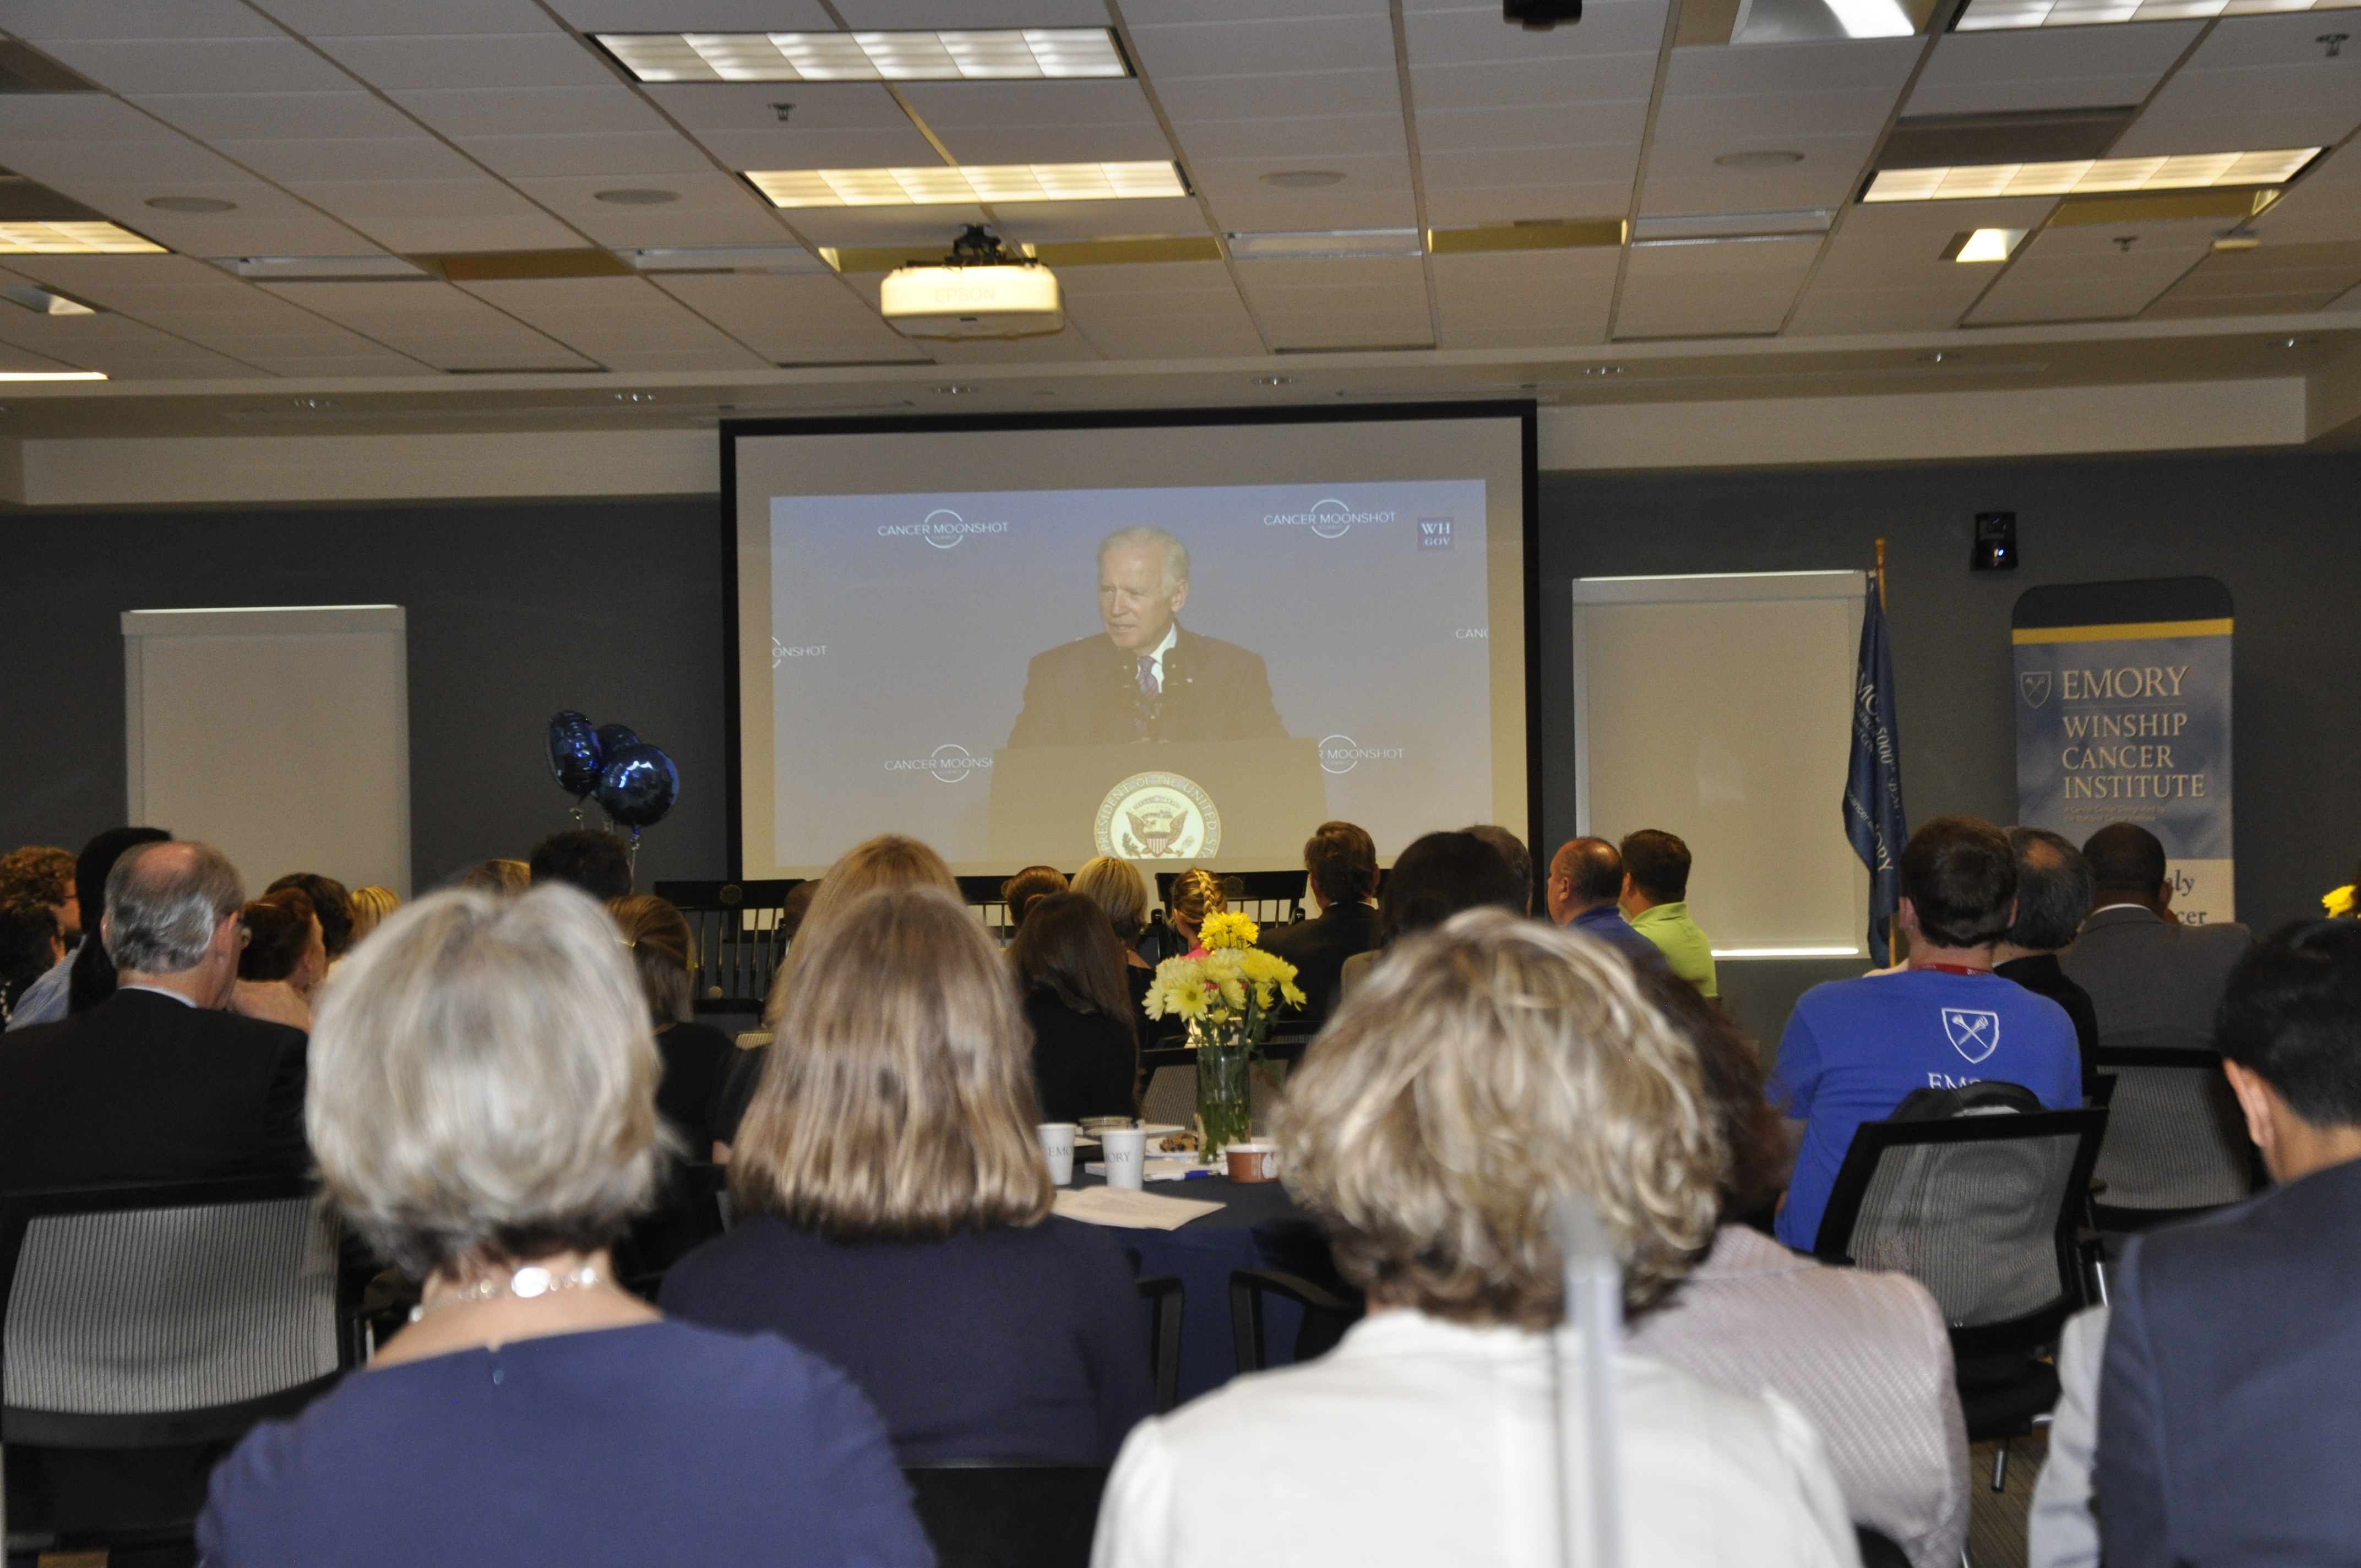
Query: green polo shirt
{"type": "Point", "coordinates": [1687, 952]}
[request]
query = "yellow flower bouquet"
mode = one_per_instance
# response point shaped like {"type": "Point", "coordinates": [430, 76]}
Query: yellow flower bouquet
{"type": "Point", "coordinates": [1227, 996]}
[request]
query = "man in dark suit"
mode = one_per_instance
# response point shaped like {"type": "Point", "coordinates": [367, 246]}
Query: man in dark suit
{"type": "Point", "coordinates": [1147, 678]}
{"type": "Point", "coordinates": [1343, 860]}
{"type": "Point", "coordinates": [2230, 1404]}
{"type": "Point", "coordinates": [2153, 980]}
{"type": "Point", "coordinates": [2053, 898]}
{"type": "Point", "coordinates": [159, 1082]}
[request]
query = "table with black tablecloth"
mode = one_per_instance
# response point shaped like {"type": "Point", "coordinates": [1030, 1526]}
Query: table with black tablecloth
{"type": "Point", "coordinates": [1258, 1226]}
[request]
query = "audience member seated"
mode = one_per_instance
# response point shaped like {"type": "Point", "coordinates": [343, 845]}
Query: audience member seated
{"type": "Point", "coordinates": [484, 1110]}
{"type": "Point", "coordinates": [1513, 853]}
{"type": "Point", "coordinates": [895, 1204]}
{"type": "Point", "coordinates": [1854, 1048]}
{"type": "Point", "coordinates": [597, 863]}
{"type": "Point", "coordinates": [696, 1057]}
{"type": "Point", "coordinates": [2062, 1530]}
{"type": "Point", "coordinates": [1070, 972]}
{"type": "Point", "coordinates": [1034, 881]}
{"type": "Point", "coordinates": [1864, 1354]}
{"type": "Point", "coordinates": [1483, 1071]}
{"type": "Point", "coordinates": [330, 901]}
{"type": "Point", "coordinates": [1341, 859]}
{"type": "Point", "coordinates": [2153, 980]}
{"type": "Point", "coordinates": [2230, 1405]}
{"type": "Point", "coordinates": [1195, 894]}
{"type": "Point", "coordinates": [284, 945]}
{"type": "Point", "coordinates": [159, 1082]}
{"type": "Point", "coordinates": [1655, 900]}
{"type": "Point", "coordinates": [2053, 898]}
{"type": "Point", "coordinates": [368, 907]}
{"type": "Point", "coordinates": [43, 877]}
{"type": "Point", "coordinates": [29, 948]}
{"type": "Point", "coordinates": [1586, 892]}
{"type": "Point", "coordinates": [1434, 879]}
{"type": "Point", "coordinates": [502, 879]}
{"type": "Point", "coordinates": [795, 906]}
{"type": "Point", "coordinates": [84, 978]}
{"type": "Point", "coordinates": [1116, 887]}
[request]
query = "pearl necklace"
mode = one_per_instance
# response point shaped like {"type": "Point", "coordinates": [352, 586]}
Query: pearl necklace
{"type": "Point", "coordinates": [531, 1281]}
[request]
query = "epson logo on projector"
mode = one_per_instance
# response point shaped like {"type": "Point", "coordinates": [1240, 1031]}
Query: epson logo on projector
{"type": "Point", "coordinates": [966, 294]}
{"type": "Point", "coordinates": [1328, 519]}
{"type": "Point", "coordinates": [942, 529]}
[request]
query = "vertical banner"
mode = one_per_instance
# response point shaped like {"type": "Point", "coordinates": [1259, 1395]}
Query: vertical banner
{"type": "Point", "coordinates": [2123, 714]}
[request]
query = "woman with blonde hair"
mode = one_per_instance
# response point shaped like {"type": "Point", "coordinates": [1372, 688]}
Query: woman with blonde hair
{"type": "Point", "coordinates": [1196, 892]}
{"type": "Point", "coordinates": [1117, 886]}
{"type": "Point", "coordinates": [369, 907]}
{"type": "Point", "coordinates": [897, 1203]}
{"type": "Point", "coordinates": [482, 1106]}
{"type": "Point", "coordinates": [696, 1057]}
{"type": "Point", "coordinates": [1484, 1072]}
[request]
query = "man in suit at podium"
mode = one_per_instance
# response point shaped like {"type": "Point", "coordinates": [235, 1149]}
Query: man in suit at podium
{"type": "Point", "coordinates": [1147, 678]}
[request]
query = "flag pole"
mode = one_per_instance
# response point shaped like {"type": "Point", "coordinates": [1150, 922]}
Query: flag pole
{"type": "Point", "coordinates": [1881, 575]}
{"type": "Point", "coordinates": [1897, 945]}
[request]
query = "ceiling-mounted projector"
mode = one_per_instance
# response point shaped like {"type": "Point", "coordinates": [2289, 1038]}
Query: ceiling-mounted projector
{"type": "Point", "coordinates": [982, 289]}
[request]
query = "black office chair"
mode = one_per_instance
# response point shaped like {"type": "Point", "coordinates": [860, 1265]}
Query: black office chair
{"type": "Point", "coordinates": [996, 1514]}
{"type": "Point", "coordinates": [1985, 1211]}
{"type": "Point", "coordinates": [165, 1315]}
{"type": "Point", "coordinates": [1166, 1301]}
{"type": "Point", "coordinates": [1878, 1551]}
{"type": "Point", "coordinates": [692, 1208]}
{"type": "Point", "coordinates": [1327, 1315]}
{"type": "Point", "coordinates": [2177, 1142]}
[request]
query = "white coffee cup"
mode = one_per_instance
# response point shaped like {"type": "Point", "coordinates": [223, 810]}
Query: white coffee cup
{"type": "Point", "coordinates": [1126, 1156]}
{"type": "Point", "coordinates": [1058, 1144]}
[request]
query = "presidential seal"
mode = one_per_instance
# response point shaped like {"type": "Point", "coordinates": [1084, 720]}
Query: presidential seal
{"type": "Point", "coordinates": [1159, 816]}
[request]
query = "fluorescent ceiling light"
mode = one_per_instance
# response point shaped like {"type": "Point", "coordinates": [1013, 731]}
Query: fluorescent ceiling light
{"type": "Point", "coordinates": [1872, 18]}
{"type": "Point", "coordinates": [1324, 245]}
{"type": "Point", "coordinates": [53, 375]}
{"type": "Point", "coordinates": [946, 184]}
{"type": "Point", "coordinates": [1690, 228]}
{"type": "Point", "coordinates": [1993, 16]}
{"type": "Point", "coordinates": [1008, 54]}
{"type": "Point", "coordinates": [321, 267]}
{"type": "Point", "coordinates": [2084, 177]}
{"type": "Point", "coordinates": [62, 237]}
{"type": "Point", "coordinates": [1987, 245]}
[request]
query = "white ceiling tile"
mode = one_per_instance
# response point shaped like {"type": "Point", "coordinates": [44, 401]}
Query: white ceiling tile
{"type": "Point", "coordinates": [1265, 46]}
{"type": "Point", "coordinates": [278, 116]}
{"type": "Point", "coordinates": [1692, 291]}
{"type": "Point", "coordinates": [1065, 347]}
{"type": "Point", "coordinates": [1195, 282]}
{"type": "Point", "coordinates": [43, 20]}
{"type": "Point", "coordinates": [1546, 296]}
{"type": "Point", "coordinates": [1476, 36]}
{"type": "Point", "coordinates": [1044, 222]}
{"type": "Point", "coordinates": [344, 18]}
{"type": "Point", "coordinates": [793, 320]}
{"type": "Point", "coordinates": [1827, 312]}
{"type": "Point", "coordinates": [165, 161]}
{"type": "Point", "coordinates": [621, 153]}
{"type": "Point", "coordinates": [503, 62]}
{"type": "Point", "coordinates": [2250, 108]}
{"type": "Point", "coordinates": [529, 110]}
{"type": "Point", "coordinates": [1615, 121]}
{"type": "Point", "coordinates": [887, 146]}
{"type": "Point", "coordinates": [328, 366]}
{"type": "Point", "coordinates": [359, 201]}
{"type": "Point", "coordinates": [1326, 137]}
{"type": "Point", "coordinates": [2049, 68]}
{"type": "Point", "coordinates": [201, 65]}
{"type": "Point", "coordinates": [1542, 87]}
{"type": "Point", "coordinates": [1124, 143]}
{"type": "Point", "coordinates": [1796, 69]}
{"type": "Point", "coordinates": [402, 158]}
{"type": "Point", "coordinates": [1218, 99]}
{"type": "Point", "coordinates": [754, 106]}
{"type": "Point", "coordinates": [2237, 42]}
{"type": "Point", "coordinates": [606, 319]}
{"type": "Point", "coordinates": [2078, 273]}
{"type": "Point", "coordinates": [1208, 337]}
{"type": "Point", "coordinates": [713, 209]}
{"type": "Point", "coordinates": [1612, 166]}
{"type": "Point", "coordinates": [718, 16]}
{"type": "Point", "coordinates": [960, 105]}
{"type": "Point", "coordinates": [1458, 204]}
{"type": "Point", "coordinates": [928, 230]}
{"type": "Point", "coordinates": [441, 325]}
{"type": "Point", "coordinates": [1378, 198]}
{"type": "Point", "coordinates": [969, 14]}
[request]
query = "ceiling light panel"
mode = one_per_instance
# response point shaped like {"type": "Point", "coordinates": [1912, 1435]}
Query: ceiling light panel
{"type": "Point", "coordinates": [1995, 16]}
{"type": "Point", "coordinates": [2194, 171]}
{"type": "Point", "coordinates": [943, 185]}
{"type": "Point", "coordinates": [1008, 54]}
{"type": "Point", "coordinates": [23, 238]}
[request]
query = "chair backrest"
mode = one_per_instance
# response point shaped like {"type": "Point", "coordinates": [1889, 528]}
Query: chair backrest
{"type": "Point", "coordinates": [1167, 1300]}
{"type": "Point", "coordinates": [2176, 1138]}
{"type": "Point", "coordinates": [1327, 1315]}
{"type": "Point", "coordinates": [738, 944]}
{"type": "Point", "coordinates": [1982, 1209]}
{"type": "Point", "coordinates": [181, 1308]}
{"type": "Point", "coordinates": [987, 1514]}
{"type": "Point", "coordinates": [1169, 1087]}
{"type": "Point", "coordinates": [1268, 898]}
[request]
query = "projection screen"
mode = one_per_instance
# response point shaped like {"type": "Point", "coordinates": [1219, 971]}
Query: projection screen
{"type": "Point", "coordinates": [1185, 638]}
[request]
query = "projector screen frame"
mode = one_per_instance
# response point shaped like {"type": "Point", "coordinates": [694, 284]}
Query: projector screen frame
{"type": "Point", "coordinates": [1525, 411]}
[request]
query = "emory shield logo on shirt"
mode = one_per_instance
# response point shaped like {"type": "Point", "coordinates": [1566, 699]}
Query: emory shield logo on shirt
{"type": "Point", "coordinates": [1973, 1035]}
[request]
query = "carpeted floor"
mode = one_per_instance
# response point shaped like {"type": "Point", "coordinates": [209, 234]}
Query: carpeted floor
{"type": "Point", "coordinates": [1996, 1521]}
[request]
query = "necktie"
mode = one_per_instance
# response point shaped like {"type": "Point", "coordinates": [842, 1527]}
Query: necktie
{"type": "Point", "coordinates": [1148, 684]}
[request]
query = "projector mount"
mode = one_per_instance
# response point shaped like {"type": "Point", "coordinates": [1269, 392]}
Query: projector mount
{"type": "Point", "coordinates": [979, 246]}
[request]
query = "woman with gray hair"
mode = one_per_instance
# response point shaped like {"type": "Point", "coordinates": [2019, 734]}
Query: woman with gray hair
{"type": "Point", "coordinates": [1484, 1071]}
{"type": "Point", "coordinates": [482, 1106]}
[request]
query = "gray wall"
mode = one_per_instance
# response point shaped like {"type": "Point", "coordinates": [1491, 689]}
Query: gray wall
{"type": "Point", "coordinates": [514, 613]}
{"type": "Point", "coordinates": [2283, 532]}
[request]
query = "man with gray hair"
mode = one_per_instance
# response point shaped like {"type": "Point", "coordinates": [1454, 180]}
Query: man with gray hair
{"type": "Point", "coordinates": [1145, 677]}
{"type": "Point", "coordinates": [161, 1081]}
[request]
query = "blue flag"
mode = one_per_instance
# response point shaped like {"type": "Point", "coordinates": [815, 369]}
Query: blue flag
{"type": "Point", "coordinates": [1873, 816]}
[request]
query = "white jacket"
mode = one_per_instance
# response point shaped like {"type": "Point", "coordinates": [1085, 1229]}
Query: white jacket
{"type": "Point", "coordinates": [1431, 1444]}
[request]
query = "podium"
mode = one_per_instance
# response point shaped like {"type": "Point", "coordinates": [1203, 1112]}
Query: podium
{"type": "Point", "coordinates": [1268, 795]}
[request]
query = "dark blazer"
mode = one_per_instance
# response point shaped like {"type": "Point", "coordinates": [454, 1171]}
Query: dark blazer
{"type": "Point", "coordinates": [1086, 693]}
{"type": "Point", "coordinates": [2040, 975]}
{"type": "Point", "coordinates": [143, 1088]}
{"type": "Point", "coordinates": [2230, 1404]}
{"type": "Point", "coordinates": [1085, 1064]}
{"type": "Point", "coordinates": [1318, 949]}
{"type": "Point", "coordinates": [2154, 984]}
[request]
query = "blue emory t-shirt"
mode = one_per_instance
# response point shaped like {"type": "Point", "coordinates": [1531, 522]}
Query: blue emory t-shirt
{"type": "Point", "coordinates": [1854, 1048]}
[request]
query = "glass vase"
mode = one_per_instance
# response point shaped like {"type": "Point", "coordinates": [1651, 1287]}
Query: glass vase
{"type": "Point", "coordinates": [1224, 1088]}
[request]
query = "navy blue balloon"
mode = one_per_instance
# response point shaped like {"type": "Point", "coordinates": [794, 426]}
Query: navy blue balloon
{"type": "Point", "coordinates": [639, 786]}
{"type": "Point", "coordinates": [614, 740]}
{"type": "Point", "coordinates": [575, 755]}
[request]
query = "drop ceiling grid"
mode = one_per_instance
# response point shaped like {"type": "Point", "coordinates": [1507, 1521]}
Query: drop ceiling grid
{"type": "Point", "coordinates": [2078, 273]}
{"type": "Point", "coordinates": [2049, 68]}
{"type": "Point", "coordinates": [2254, 82]}
{"type": "Point", "coordinates": [436, 323]}
{"type": "Point", "coordinates": [1507, 298]}
{"type": "Point", "coordinates": [792, 319]}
